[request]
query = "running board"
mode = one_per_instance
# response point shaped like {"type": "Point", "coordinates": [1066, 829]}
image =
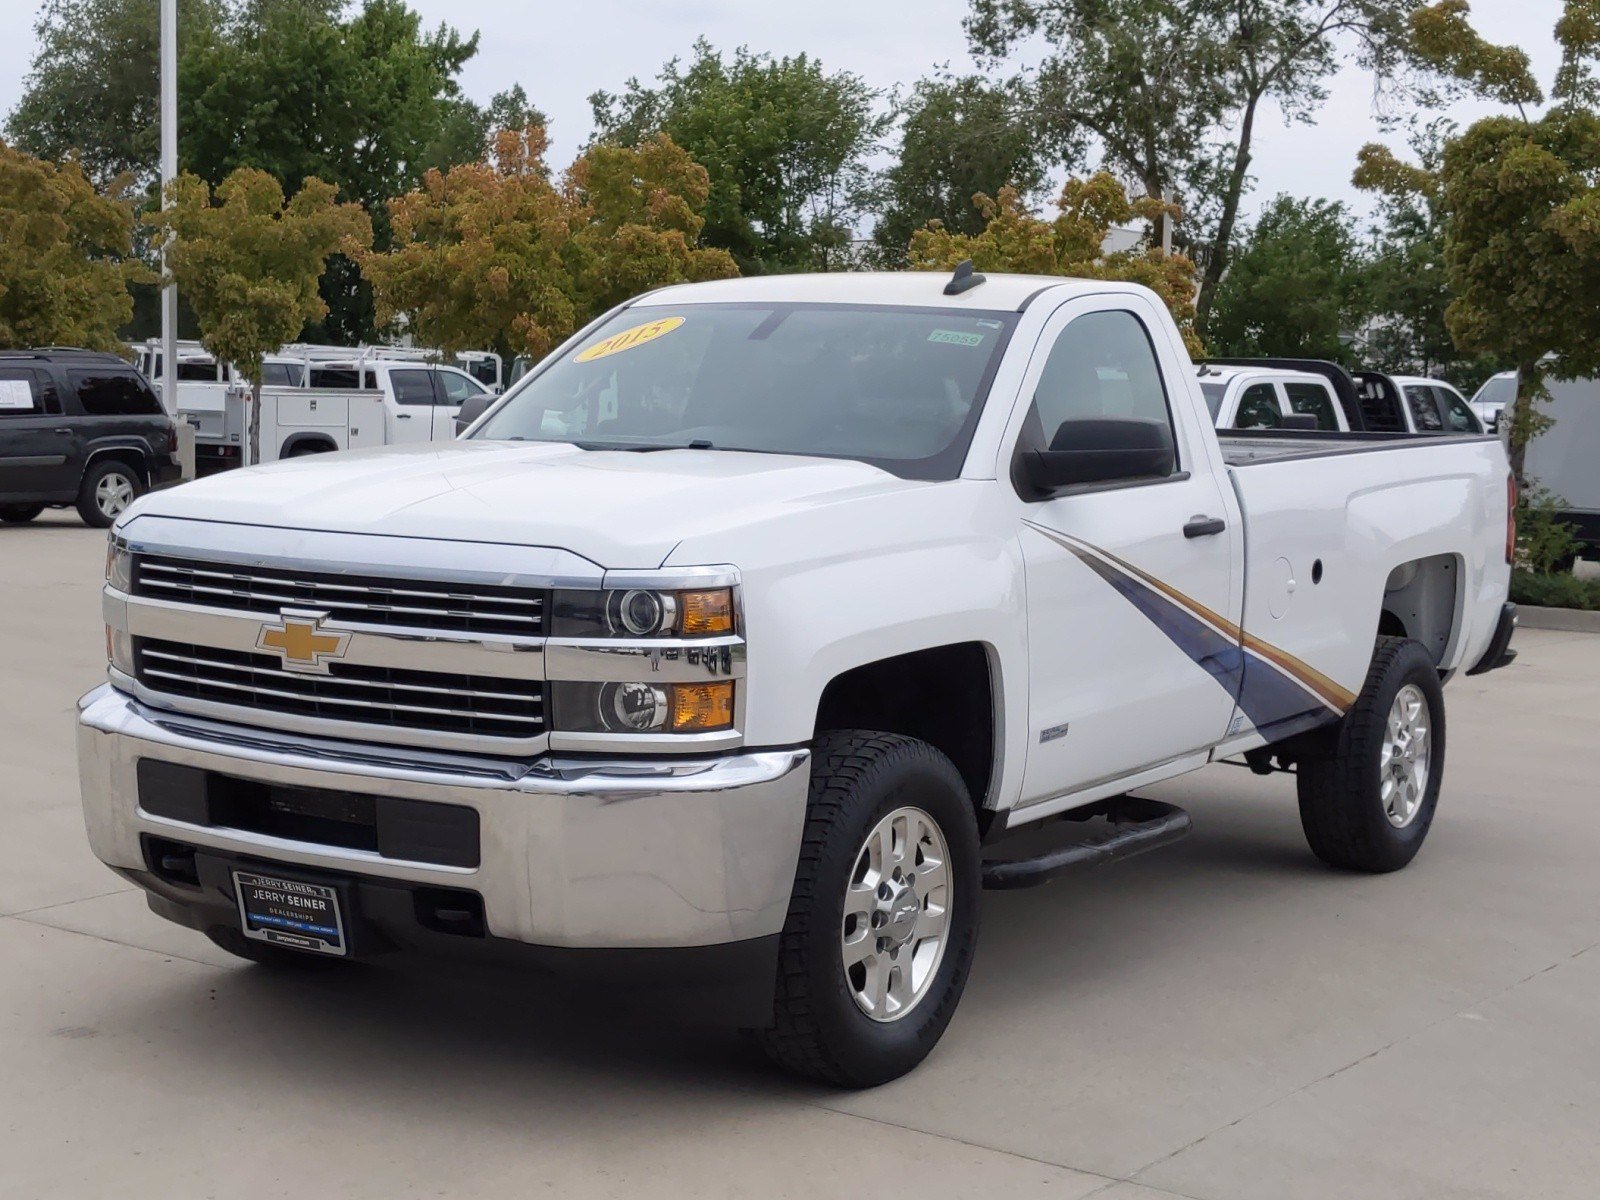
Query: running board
{"type": "Point", "coordinates": [1132, 826]}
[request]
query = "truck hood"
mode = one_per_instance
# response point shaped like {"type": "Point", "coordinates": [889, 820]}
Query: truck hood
{"type": "Point", "coordinates": [619, 509]}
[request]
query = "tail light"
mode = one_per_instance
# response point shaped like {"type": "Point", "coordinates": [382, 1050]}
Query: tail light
{"type": "Point", "coordinates": [1511, 518]}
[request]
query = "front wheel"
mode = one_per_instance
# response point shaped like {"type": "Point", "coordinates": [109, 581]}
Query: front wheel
{"type": "Point", "coordinates": [1368, 794]}
{"type": "Point", "coordinates": [883, 921]}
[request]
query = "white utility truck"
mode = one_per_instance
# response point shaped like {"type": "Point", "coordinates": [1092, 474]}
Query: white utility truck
{"type": "Point", "coordinates": [735, 641]}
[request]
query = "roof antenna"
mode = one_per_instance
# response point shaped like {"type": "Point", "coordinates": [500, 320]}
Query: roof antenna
{"type": "Point", "coordinates": [964, 279]}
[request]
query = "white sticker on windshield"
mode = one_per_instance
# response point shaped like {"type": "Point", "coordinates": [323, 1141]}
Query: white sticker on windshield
{"type": "Point", "coordinates": [15, 394]}
{"type": "Point", "coordinates": [955, 337]}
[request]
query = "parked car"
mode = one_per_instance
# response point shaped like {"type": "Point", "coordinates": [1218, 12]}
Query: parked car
{"type": "Point", "coordinates": [1491, 399]}
{"type": "Point", "coordinates": [736, 640]}
{"type": "Point", "coordinates": [1434, 406]}
{"type": "Point", "coordinates": [79, 427]}
{"type": "Point", "coordinates": [1246, 397]}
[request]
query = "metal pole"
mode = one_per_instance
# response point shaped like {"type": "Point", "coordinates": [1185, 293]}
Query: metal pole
{"type": "Point", "coordinates": [169, 172]}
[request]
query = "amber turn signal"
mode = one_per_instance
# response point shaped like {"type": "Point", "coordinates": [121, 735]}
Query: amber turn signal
{"type": "Point", "coordinates": [702, 613]}
{"type": "Point", "coordinates": [701, 707]}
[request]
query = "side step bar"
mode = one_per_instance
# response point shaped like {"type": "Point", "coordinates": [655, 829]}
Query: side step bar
{"type": "Point", "coordinates": [1132, 826]}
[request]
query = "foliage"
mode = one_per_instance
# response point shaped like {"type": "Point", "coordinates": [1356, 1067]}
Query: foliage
{"type": "Point", "coordinates": [1555, 591]}
{"type": "Point", "coordinates": [94, 88]}
{"type": "Point", "coordinates": [1169, 91]}
{"type": "Point", "coordinates": [65, 256]}
{"type": "Point", "coordinates": [785, 145]}
{"type": "Point", "coordinates": [248, 262]}
{"type": "Point", "coordinates": [1015, 239]}
{"type": "Point", "coordinates": [1544, 541]}
{"type": "Point", "coordinates": [958, 138]}
{"type": "Point", "coordinates": [493, 253]}
{"type": "Point", "coordinates": [1297, 283]}
{"type": "Point", "coordinates": [1522, 203]}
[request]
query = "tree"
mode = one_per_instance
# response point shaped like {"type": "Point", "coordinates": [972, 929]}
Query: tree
{"type": "Point", "coordinates": [65, 256]}
{"type": "Point", "coordinates": [1015, 239]}
{"type": "Point", "coordinates": [93, 91]}
{"type": "Point", "coordinates": [959, 138]}
{"type": "Point", "coordinates": [493, 253]}
{"type": "Point", "coordinates": [1168, 91]}
{"type": "Point", "coordinates": [248, 262]}
{"type": "Point", "coordinates": [1521, 203]}
{"type": "Point", "coordinates": [1296, 285]}
{"type": "Point", "coordinates": [785, 145]}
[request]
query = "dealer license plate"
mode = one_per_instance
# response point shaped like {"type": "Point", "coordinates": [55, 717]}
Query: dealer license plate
{"type": "Point", "coordinates": [290, 912]}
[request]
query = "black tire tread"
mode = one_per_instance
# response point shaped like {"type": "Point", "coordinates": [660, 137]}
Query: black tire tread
{"type": "Point", "coordinates": [1331, 785]}
{"type": "Point", "coordinates": [841, 762]}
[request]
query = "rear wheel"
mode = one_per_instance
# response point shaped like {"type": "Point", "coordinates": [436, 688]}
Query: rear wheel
{"type": "Point", "coordinates": [883, 920]}
{"type": "Point", "coordinates": [1368, 793]}
{"type": "Point", "coordinates": [108, 488]}
{"type": "Point", "coordinates": [19, 514]}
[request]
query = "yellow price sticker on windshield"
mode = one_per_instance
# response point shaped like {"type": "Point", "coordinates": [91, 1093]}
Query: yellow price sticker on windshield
{"type": "Point", "coordinates": [629, 338]}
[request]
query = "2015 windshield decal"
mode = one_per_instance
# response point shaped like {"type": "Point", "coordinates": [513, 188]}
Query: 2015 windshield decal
{"type": "Point", "coordinates": [636, 335]}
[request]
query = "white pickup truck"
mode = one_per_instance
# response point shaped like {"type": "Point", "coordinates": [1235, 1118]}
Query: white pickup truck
{"type": "Point", "coordinates": [732, 644]}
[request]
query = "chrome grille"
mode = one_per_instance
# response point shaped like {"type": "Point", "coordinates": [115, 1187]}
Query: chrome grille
{"type": "Point", "coordinates": [369, 600]}
{"type": "Point", "coordinates": [428, 701]}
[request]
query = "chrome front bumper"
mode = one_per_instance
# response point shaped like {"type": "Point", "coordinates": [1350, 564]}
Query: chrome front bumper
{"type": "Point", "coordinates": [617, 853]}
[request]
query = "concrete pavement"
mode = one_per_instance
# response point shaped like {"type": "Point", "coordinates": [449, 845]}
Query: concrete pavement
{"type": "Point", "coordinates": [1224, 1020]}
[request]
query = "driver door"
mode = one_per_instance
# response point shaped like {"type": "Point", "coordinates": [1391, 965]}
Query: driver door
{"type": "Point", "coordinates": [1127, 671]}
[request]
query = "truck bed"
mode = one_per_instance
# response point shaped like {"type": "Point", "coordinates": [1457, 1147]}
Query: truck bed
{"type": "Point", "coordinates": [1243, 448]}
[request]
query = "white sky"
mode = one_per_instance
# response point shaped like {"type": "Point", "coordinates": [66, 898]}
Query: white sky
{"type": "Point", "coordinates": [560, 53]}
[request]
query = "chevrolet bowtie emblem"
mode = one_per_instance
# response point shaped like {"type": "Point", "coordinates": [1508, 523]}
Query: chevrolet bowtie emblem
{"type": "Point", "coordinates": [302, 644]}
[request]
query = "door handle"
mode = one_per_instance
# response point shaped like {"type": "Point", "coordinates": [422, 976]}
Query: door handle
{"type": "Point", "coordinates": [64, 432]}
{"type": "Point", "coordinates": [404, 416]}
{"type": "Point", "coordinates": [1201, 525]}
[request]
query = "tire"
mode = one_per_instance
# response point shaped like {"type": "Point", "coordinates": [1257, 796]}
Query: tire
{"type": "Point", "coordinates": [277, 957]}
{"type": "Point", "coordinates": [109, 486]}
{"type": "Point", "coordinates": [1348, 818]}
{"type": "Point", "coordinates": [19, 514]}
{"type": "Point", "coordinates": [820, 1030]}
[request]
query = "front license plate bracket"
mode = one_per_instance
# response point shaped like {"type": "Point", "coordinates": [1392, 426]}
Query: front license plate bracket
{"type": "Point", "coordinates": [296, 913]}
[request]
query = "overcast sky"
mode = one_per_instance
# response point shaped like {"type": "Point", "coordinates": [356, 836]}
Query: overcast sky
{"type": "Point", "coordinates": [561, 52]}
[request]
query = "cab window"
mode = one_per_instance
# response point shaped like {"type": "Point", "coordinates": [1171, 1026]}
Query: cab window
{"type": "Point", "coordinates": [114, 393]}
{"type": "Point", "coordinates": [1461, 418]}
{"type": "Point", "coordinates": [458, 389]}
{"type": "Point", "coordinates": [1312, 399]}
{"type": "Point", "coordinates": [412, 387]}
{"type": "Point", "coordinates": [1258, 408]}
{"type": "Point", "coordinates": [1424, 411]}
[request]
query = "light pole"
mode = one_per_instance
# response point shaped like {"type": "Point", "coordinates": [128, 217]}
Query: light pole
{"type": "Point", "coordinates": [169, 171]}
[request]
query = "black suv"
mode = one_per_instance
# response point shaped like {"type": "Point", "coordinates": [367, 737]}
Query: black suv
{"type": "Point", "coordinates": [79, 427]}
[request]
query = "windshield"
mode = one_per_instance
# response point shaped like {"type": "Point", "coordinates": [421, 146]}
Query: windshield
{"type": "Point", "coordinates": [1214, 392]}
{"type": "Point", "coordinates": [1497, 389]}
{"type": "Point", "coordinates": [897, 387]}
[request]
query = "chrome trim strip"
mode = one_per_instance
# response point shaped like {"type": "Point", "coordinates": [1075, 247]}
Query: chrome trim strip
{"type": "Point", "coordinates": [345, 680]}
{"type": "Point", "coordinates": [276, 599]}
{"type": "Point", "coordinates": [672, 578]}
{"type": "Point", "coordinates": [609, 660]}
{"type": "Point", "coordinates": [146, 567]}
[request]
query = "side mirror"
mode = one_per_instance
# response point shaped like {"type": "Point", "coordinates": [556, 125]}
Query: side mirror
{"type": "Point", "coordinates": [1099, 450]}
{"type": "Point", "coordinates": [471, 409]}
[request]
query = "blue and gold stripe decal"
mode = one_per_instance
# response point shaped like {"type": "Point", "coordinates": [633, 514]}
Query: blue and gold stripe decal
{"type": "Point", "coordinates": [1278, 693]}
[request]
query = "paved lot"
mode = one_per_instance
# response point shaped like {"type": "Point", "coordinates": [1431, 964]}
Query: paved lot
{"type": "Point", "coordinates": [1224, 1019]}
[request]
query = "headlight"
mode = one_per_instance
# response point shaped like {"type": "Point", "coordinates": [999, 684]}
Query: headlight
{"type": "Point", "coordinates": [642, 612]}
{"type": "Point", "coordinates": [642, 707]}
{"type": "Point", "coordinates": [119, 565]}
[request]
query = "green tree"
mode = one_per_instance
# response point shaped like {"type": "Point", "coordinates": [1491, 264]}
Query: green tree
{"type": "Point", "coordinates": [65, 256]}
{"type": "Point", "coordinates": [958, 138]}
{"type": "Point", "coordinates": [785, 144]}
{"type": "Point", "coordinates": [493, 253]}
{"type": "Point", "coordinates": [93, 90]}
{"type": "Point", "coordinates": [248, 262]}
{"type": "Point", "coordinates": [1521, 198]}
{"type": "Point", "coordinates": [1015, 239]}
{"type": "Point", "coordinates": [1169, 91]}
{"type": "Point", "coordinates": [1296, 285]}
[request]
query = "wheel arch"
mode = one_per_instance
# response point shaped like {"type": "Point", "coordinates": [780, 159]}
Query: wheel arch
{"type": "Point", "coordinates": [132, 454]}
{"type": "Point", "coordinates": [1423, 600]}
{"type": "Point", "coordinates": [314, 442]}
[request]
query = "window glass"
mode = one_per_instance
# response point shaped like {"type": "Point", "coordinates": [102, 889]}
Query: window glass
{"type": "Point", "coordinates": [482, 369]}
{"type": "Point", "coordinates": [205, 372]}
{"type": "Point", "coordinates": [412, 387]}
{"type": "Point", "coordinates": [1312, 399]}
{"type": "Point", "coordinates": [1424, 411]}
{"type": "Point", "coordinates": [25, 393]}
{"type": "Point", "coordinates": [281, 374]}
{"type": "Point", "coordinates": [1462, 419]}
{"type": "Point", "coordinates": [1102, 365]}
{"type": "Point", "coordinates": [112, 392]}
{"type": "Point", "coordinates": [898, 387]}
{"type": "Point", "coordinates": [335, 377]}
{"type": "Point", "coordinates": [1214, 394]}
{"type": "Point", "coordinates": [1258, 408]}
{"type": "Point", "coordinates": [458, 389]}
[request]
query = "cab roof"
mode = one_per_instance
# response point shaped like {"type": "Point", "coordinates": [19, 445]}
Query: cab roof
{"type": "Point", "coordinates": [914, 289]}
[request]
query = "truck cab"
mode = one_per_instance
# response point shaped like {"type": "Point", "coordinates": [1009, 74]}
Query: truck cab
{"type": "Point", "coordinates": [1242, 397]}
